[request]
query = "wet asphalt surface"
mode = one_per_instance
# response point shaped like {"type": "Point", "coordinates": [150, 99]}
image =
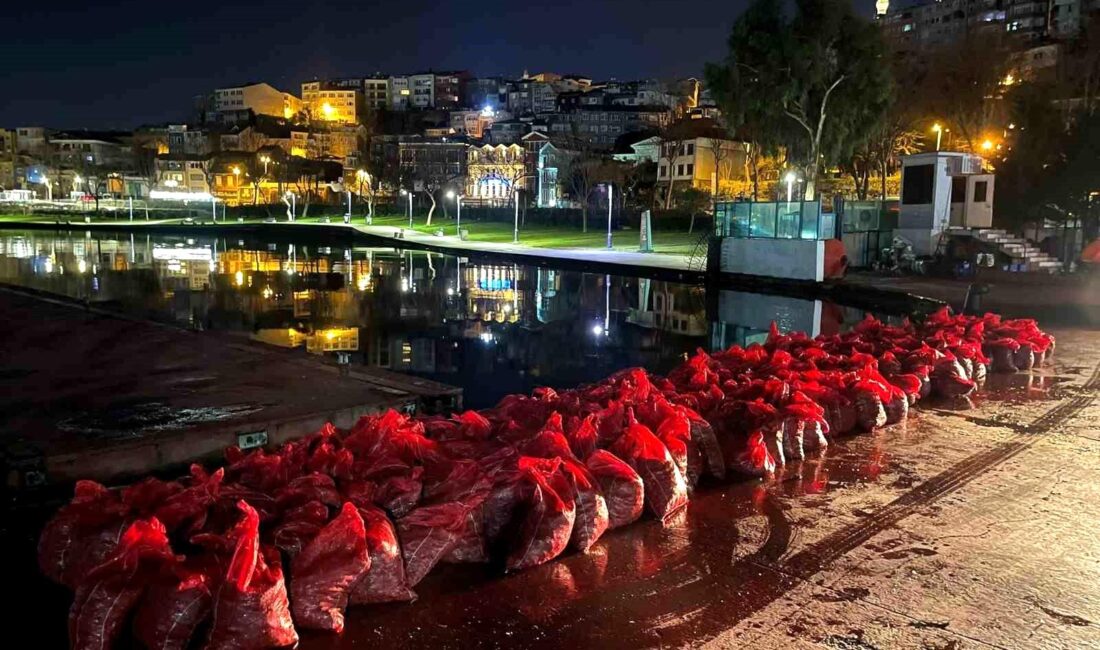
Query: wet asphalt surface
{"type": "Point", "coordinates": [965, 527]}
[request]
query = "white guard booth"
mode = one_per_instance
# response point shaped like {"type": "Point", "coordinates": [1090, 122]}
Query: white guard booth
{"type": "Point", "coordinates": [941, 190]}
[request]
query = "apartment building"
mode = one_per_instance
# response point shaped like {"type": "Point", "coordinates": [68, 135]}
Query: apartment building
{"type": "Point", "coordinates": [260, 98]}
{"type": "Point", "coordinates": [338, 100]}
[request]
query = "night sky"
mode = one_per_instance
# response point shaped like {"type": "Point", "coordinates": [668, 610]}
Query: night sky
{"type": "Point", "coordinates": [141, 62]}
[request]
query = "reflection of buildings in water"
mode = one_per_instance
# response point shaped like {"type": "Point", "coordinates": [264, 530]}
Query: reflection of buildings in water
{"type": "Point", "coordinates": [745, 318]}
{"type": "Point", "coordinates": [493, 292]}
{"type": "Point", "coordinates": [670, 307]}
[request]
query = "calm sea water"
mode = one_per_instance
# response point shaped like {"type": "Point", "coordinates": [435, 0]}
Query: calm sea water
{"type": "Point", "coordinates": [491, 328]}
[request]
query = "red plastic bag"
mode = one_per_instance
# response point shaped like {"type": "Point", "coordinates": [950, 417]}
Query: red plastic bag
{"type": "Point", "coordinates": [298, 526]}
{"type": "Point", "coordinates": [665, 490]}
{"type": "Point", "coordinates": [82, 534]}
{"type": "Point", "coordinates": [190, 505]}
{"type": "Point", "coordinates": [399, 494]}
{"type": "Point", "coordinates": [582, 437]}
{"type": "Point", "coordinates": [322, 575]}
{"type": "Point", "coordinates": [385, 580]}
{"type": "Point", "coordinates": [591, 518]}
{"type": "Point", "coordinates": [175, 604]}
{"type": "Point", "coordinates": [311, 487]}
{"type": "Point", "coordinates": [109, 592]}
{"type": "Point", "coordinates": [251, 610]}
{"type": "Point", "coordinates": [548, 518]}
{"type": "Point", "coordinates": [427, 534]}
{"type": "Point", "coordinates": [621, 486]}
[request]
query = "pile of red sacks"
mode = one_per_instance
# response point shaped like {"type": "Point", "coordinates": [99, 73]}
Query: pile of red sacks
{"type": "Point", "coordinates": [276, 541]}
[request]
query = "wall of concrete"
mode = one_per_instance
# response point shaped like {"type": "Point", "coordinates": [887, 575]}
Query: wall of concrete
{"type": "Point", "coordinates": [795, 259]}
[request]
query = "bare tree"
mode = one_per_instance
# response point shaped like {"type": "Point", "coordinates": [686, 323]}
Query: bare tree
{"type": "Point", "coordinates": [672, 140]}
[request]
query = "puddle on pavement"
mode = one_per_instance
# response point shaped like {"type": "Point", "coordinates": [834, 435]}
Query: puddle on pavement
{"type": "Point", "coordinates": [137, 419]}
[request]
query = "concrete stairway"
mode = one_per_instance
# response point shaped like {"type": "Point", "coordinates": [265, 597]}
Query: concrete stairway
{"type": "Point", "coordinates": [1018, 249]}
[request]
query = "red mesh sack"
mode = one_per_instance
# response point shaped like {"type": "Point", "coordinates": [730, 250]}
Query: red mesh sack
{"type": "Point", "coordinates": [399, 494]}
{"type": "Point", "coordinates": [107, 595]}
{"type": "Point", "coordinates": [298, 526]}
{"type": "Point", "coordinates": [427, 534]}
{"type": "Point", "coordinates": [190, 505]}
{"type": "Point", "coordinates": [175, 604]}
{"type": "Point", "coordinates": [322, 575]}
{"type": "Point", "coordinates": [547, 522]}
{"type": "Point", "coordinates": [251, 610]}
{"type": "Point", "coordinates": [665, 490]}
{"type": "Point", "coordinates": [385, 581]}
{"type": "Point", "coordinates": [591, 518]}
{"type": "Point", "coordinates": [751, 456]}
{"type": "Point", "coordinates": [703, 435]}
{"type": "Point", "coordinates": [621, 486]}
{"type": "Point", "coordinates": [311, 487]}
{"type": "Point", "coordinates": [582, 437]}
{"type": "Point", "coordinates": [82, 534]}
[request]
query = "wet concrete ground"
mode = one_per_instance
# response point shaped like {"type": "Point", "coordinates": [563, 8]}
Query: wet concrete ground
{"type": "Point", "coordinates": [960, 529]}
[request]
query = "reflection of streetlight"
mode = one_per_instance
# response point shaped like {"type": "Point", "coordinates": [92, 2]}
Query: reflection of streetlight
{"type": "Point", "coordinates": [939, 133]}
{"type": "Point", "coordinates": [791, 177]}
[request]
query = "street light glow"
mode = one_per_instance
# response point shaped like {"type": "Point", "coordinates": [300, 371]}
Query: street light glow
{"type": "Point", "coordinates": [597, 329]}
{"type": "Point", "coordinates": [987, 145]}
{"type": "Point", "coordinates": [450, 194]}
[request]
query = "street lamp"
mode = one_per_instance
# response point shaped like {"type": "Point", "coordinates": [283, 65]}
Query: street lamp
{"type": "Point", "coordinates": [458, 216]}
{"type": "Point", "coordinates": [515, 229]}
{"type": "Point", "coordinates": [791, 177]}
{"type": "Point", "coordinates": [987, 145]}
{"type": "Point", "coordinates": [610, 202]}
{"type": "Point", "coordinates": [49, 190]}
{"type": "Point", "coordinates": [939, 133]}
{"type": "Point", "coordinates": [405, 192]}
{"type": "Point", "coordinates": [265, 159]}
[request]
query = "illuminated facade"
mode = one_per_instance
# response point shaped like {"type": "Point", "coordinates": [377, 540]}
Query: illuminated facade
{"type": "Point", "coordinates": [495, 171]}
{"type": "Point", "coordinates": [337, 102]}
{"type": "Point", "coordinates": [260, 98]}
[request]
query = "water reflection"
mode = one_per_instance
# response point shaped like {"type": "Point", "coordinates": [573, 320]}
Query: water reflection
{"type": "Point", "coordinates": [491, 328]}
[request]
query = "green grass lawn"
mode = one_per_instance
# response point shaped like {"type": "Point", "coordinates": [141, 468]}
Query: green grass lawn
{"type": "Point", "coordinates": [538, 236]}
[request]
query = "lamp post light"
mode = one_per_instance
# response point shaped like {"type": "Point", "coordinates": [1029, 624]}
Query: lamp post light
{"type": "Point", "coordinates": [515, 228]}
{"type": "Point", "coordinates": [409, 194]}
{"type": "Point", "coordinates": [791, 177]}
{"type": "Point", "coordinates": [938, 130]}
{"type": "Point", "coordinates": [347, 216]}
{"type": "Point", "coordinates": [610, 203]}
{"type": "Point", "coordinates": [265, 159]}
{"type": "Point", "coordinates": [451, 194]}
{"type": "Point", "coordinates": [49, 189]}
